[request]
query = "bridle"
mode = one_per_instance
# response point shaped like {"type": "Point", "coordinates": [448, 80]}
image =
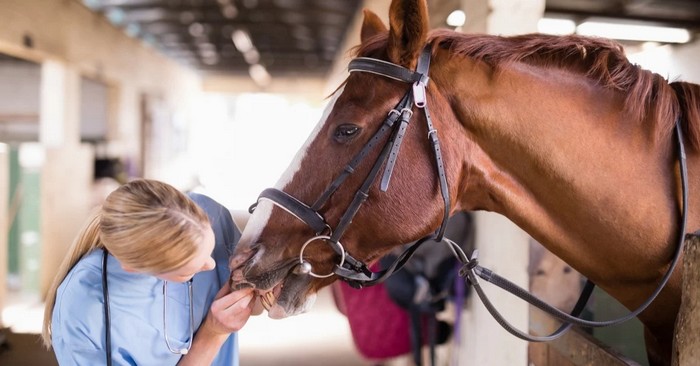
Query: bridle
{"type": "Point", "coordinates": [357, 274]}
{"type": "Point", "coordinates": [349, 269]}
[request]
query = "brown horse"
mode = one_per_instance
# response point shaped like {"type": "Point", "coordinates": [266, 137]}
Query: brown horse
{"type": "Point", "coordinates": [561, 134]}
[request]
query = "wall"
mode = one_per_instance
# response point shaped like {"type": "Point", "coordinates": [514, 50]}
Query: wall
{"type": "Point", "coordinates": [70, 43]}
{"type": "Point", "coordinates": [82, 43]}
{"type": "Point", "coordinates": [19, 100]}
{"type": "Point", "coordinates": [684, 62]}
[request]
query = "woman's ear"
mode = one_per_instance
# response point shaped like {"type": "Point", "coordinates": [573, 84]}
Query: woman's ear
{"type": "Point", "coordinates": [128, 269]}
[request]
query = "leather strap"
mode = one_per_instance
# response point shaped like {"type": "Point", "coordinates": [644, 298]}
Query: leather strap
{"type": "Point", "coordinates": [105, 299]}
{"type": "Point", "coordinates": [388, 124]}
{"type": "Point", "coordinates": [295, 207]}
{"type": "Point", "coordinates": [419, 89]}
{"type": "Point", "coordinates": [384, 68]}
{"type": "Point", "coordinates": [472, 269]}
{"type": "Point", "coordinates": [406, 114]}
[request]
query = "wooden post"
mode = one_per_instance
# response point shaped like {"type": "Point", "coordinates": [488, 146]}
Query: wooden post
{"type": "Point", "coordinates": [502, 245]}
{"type": "Point", "coordinates": [686, 345]}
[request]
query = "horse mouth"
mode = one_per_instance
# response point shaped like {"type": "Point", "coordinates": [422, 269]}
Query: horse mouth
{"type": "Point", "coordinates": [278, 294]}
{"type": "Point", "coordinates": [269, 298]}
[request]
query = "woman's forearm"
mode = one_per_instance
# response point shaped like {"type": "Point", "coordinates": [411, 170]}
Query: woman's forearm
{"type": "Point", "coordinates": [205, 347]}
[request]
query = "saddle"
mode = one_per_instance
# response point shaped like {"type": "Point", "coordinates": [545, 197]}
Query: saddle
{"type": "Point", "coordinates": [399, 316]}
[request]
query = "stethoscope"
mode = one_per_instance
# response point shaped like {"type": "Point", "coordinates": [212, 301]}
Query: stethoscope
{"type": "Point", "coordinates": [105, 297]}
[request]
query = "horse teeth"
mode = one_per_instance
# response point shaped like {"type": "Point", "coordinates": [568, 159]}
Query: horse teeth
{"type": "Point", "coordinates": [267, 299]}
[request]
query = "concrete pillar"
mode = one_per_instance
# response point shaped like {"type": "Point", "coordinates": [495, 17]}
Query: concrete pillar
{"type": "Point", "coordinates": [686, 344]}
{"type": "Point", "coordinates": [502, 246]}
{"type": "Point", "coordinates": [477, 16]}
{"type": "Point", "coordinates": [59, 115]}
{"type": "Point", "coordinates": [510, 17]}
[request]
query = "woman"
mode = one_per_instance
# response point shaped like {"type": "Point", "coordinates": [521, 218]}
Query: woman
{"type": "Point", "coordinates": [163, 297]}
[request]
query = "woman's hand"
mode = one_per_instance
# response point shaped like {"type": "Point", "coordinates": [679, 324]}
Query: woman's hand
{"type": "Point", "coordinates": [228, 313]}
{"type": "Point", "coordinates": [230, 310]}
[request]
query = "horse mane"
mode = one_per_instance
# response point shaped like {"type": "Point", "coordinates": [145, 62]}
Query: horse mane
{"type": "Point", "coordinates": [646, 95]}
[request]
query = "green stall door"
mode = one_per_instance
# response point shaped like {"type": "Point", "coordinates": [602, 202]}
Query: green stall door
{"type": "Point", "coordinates": [24, 239]}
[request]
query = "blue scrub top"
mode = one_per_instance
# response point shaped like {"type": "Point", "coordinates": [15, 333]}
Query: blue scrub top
{"type": "Point", "coordinates": [136, 306]}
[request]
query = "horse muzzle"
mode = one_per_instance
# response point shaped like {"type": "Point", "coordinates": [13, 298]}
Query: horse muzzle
{"type": "Point", "coordinates": [283, 289]}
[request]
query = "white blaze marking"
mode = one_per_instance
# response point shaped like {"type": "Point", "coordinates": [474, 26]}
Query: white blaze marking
{"type": "Point", "coordinates": [264, 209]}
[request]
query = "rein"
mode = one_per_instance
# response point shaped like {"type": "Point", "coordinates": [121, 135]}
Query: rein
{"type": "Point", "coordinates": [471, 270]}
{"type": "Point", "coordinates": [353, 271]}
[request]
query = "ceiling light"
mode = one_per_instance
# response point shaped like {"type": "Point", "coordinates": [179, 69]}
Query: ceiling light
{"type": "Point", "coordinates": [633, 32]}
{"type": "Point", "coordinates": [229, 11]}
{"type": "Point", "coordinates": [456, 18]}
{"type": "Point", "coordinates": [242, 40]}
{"type": "Point", "coordinates": [557, 26]}
{"type": "Point", "coordinates": [196, 29]}
{"type": "Point", "coordinates": [259, 75]}
{"type": "Point", "coordinates": [252, 56]}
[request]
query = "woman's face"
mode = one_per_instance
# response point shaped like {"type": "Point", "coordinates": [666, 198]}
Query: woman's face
{"type": "Point", "coordinates": [202, 261]}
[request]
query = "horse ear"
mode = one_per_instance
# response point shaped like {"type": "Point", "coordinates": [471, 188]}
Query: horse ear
{"type": "Point", "coordinates": [408, 31]}
{"type": "Point", "coordinates": [371, 25]}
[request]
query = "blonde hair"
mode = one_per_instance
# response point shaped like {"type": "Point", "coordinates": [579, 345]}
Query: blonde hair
{"type": "Point", "coordinates": [147, 225]}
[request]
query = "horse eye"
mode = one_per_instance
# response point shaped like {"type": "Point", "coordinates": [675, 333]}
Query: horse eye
{"type": "Point", "coordinates": [345, 133]}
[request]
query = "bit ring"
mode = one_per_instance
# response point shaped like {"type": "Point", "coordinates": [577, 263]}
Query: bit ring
{"type": "Point", "coordinates": [324, 237]}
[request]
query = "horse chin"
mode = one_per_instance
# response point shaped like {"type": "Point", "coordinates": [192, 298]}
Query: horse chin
{"type": "Point", "coordinates": [281, 310]}
{"type": "Point", "coordinates": [294, 296]}
{"type": "Point", "coordinates": [280, 292]}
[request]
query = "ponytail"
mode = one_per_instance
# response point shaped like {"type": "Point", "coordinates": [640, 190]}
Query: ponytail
{"type": "Point", "coordinates": [87, 241]}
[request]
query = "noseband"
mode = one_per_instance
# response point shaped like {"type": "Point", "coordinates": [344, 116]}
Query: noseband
{"type": "Point", "coordinates": [351, 270]}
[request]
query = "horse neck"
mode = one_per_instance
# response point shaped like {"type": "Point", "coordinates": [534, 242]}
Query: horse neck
{"type": "Point", "coordinates": [551, 151]}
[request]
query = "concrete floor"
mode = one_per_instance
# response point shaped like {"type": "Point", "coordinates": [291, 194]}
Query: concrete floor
{"type": "Point", "coordinates": [320, 337]}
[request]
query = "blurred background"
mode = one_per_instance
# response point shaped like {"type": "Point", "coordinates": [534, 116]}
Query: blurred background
{"type": "Point", "coordinates": [217, 96]}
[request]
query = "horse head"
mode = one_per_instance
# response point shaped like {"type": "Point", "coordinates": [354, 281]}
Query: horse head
{"type": "Point", "coordinates": [338, 217]}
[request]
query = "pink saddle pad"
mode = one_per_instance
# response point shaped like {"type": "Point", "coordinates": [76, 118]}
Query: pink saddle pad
{"type": "Point", "coordinates": [380, 328]}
